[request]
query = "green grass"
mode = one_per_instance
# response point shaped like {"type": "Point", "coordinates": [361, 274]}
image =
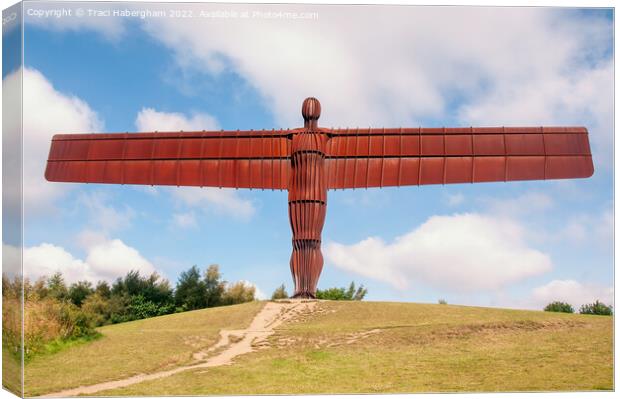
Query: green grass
{"type": "Point", "coordinates": [418, 348]}
{"type": "Point", "coordinates": [135, 347]}
{"type": "Point", "coordinates": [63, 344]}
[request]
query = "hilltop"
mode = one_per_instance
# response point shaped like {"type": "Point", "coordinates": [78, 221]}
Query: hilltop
{"type": "Point", "coordinates": [335, 347]}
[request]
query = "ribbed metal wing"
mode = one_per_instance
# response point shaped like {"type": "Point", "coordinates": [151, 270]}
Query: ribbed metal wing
{"type": "Point", "coordinates": [358, 158]}
{"type": "Point", "coordinates": [240, 159]}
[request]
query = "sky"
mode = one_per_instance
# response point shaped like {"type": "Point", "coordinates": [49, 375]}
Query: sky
{"type": "Point", "coordinates": [516, 245]}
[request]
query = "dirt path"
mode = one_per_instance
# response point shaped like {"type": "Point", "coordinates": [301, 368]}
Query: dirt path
{"type": "Point", "coordinates": [232, 343]}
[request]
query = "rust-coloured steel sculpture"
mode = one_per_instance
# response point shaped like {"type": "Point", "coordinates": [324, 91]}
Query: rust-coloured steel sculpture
{"type": "Point", "coordinates": [309, 161]}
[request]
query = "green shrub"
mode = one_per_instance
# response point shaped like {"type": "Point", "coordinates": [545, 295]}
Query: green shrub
{"type": "Point", "coordinates": [342, 294]}
{"type": "Point", "coordinates": [558, 306]}
{"type": "Point", "coordinates": [442, 301]}
{"type": "Point", "coordinates": [598, 308]}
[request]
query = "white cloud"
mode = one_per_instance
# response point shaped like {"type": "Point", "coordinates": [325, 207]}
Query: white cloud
{"type": "Point", "coordinates": [105, 260]}
{"type": "Point", "coordinates": [506, 65]}
{"type": "Point", "coordinates": [103, 216]}
{"type": "Point", "coordinates": [463, 252]}
{"type": "Point", "coordinates": [184, 220]}
{"type": "Point", "coordinates": [150, 120]}
{"type": "Point", "coordinates": [572, 292]}
{"type": "Point", "coordinates": [113, 258]}
{"type": "Point", "coordinates": [46, 112]}
{"type": "Point", "coordinates": [211, 199]}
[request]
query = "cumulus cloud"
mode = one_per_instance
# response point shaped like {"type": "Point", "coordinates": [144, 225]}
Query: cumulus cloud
{"type": "Point", "coordinates": [464, 252]}
{"type": "Point", "coordinates": [113, 258]}
{"type": "Point", "coordinates": [46, 112]}
{"type": "Point", "coordinates": [501, 65]}
{"type": "Point", "coordinates": [106, 259]}
{"type": "Point", "coordinates": [217, 200]}
{"type": "Point", "coordinates": [151, 120]}
{"type": "Point", "coordinates": [571, 291]}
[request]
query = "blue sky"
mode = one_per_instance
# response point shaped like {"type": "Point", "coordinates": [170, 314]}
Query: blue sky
{"type": "Point", "coordinates": [513, 245]}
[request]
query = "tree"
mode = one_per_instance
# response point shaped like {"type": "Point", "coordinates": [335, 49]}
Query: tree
{"type": "Point", "coordinates": [191, 291]}
{"type": "Point", "coordinates": [132, 284]}
{"type": "Point", "coordinates": [79, 291]}
{"type": "Point", "coordinates": [238, 292]}
{"type": "Point", "coordinates": [103, 289]}
{"type": "Point", "coordinates": [279, 293]}
{"type": "Point", "coordinates": [598, 308]}
{"type": "Point", "coordinates": [558, 306]}
{"type": "Point", "coordinates": [56, 287]}
{"type": "Point", "coordinates": [214, 286]}
{"type": "Point", "coordinates": [360, 293]}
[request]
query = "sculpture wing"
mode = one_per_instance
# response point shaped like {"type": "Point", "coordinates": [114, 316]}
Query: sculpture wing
{"type": "Point", "coordinates": [358, 158]}
{"type": "Point", "coordinates": [240, 159]}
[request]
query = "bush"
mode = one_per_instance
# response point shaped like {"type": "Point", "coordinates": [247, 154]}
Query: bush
{"type": "Point", "coordinates": [239, 292]}
{"type": "Point", "coordinates": [342, 294]}
{"type": "Point", "coordinates": [442, 301]}
{"type": "Point", "coordinates": [597, 308]}
{"type": "Point", "coordinates": [141, 308]}
{"type": "Point", "coordinates": [101, 309]}
{"type": "Point", "coordinates": [558, 306]}
{"type": "Point", "coordinates": [47, 320]}
{"type": "Point", "coordinates": [279, 293]}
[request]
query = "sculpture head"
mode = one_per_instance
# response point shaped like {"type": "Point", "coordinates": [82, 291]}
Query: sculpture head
{"type": "Point", "coordinates": [311, 111]}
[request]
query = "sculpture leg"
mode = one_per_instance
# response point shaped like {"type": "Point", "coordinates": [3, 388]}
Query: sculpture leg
{"type": "Point", "coordinates": [307, 219]}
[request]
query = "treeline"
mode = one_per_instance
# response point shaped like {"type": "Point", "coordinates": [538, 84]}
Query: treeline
{"type": "Point", "coordinates": [56, 312]}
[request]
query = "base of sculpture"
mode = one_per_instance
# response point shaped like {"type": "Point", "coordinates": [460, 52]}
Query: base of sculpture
{"type": "Point", "coordinates": [303, 295]}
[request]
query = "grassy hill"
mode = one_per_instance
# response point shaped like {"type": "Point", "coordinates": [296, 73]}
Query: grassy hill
{"type": "Point", "coordinates": [140, 346]}
{"type": "Point", "coordinates": [348, 347]}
